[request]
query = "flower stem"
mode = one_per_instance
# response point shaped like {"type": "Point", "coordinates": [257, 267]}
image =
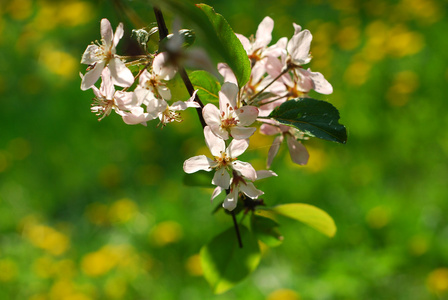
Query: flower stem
{"type": "Point", "coordinates": [163, 32]}
{"type": "Point", "coordinates": [237, 230]}
{"type": "Point", "coordinates": [273, 80]}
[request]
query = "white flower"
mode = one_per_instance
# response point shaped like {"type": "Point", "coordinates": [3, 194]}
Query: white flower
{"type": "Point", "coordinates": [101, 55]}
{"type": "Point", "coordinates": [230, 118]}
{"type": "Point", "coordinates": [171, 113]}
{"type": "Point", "coordinates": [297, 150]}
{"type": "Point", "coordinates": [224, 160]}
{"type": "Point", "coordinates": [257, 48]}
{"type": "Point", "coordinates": [107, 99]}
{"type": "Point", "coordinates": [239, 185]}
{"type": "Point", "coordinates": [298, 48]}
{"type": "Point", "coordinates": [154, 81]}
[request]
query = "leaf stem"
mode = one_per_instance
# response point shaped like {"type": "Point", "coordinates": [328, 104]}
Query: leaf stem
{"type": "Point", "coordinates": [237, 230]}
{"type": "Point", "coordinates": [163, 32]}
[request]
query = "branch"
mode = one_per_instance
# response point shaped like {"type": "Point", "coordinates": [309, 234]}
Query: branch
{"type": "Point", "coordinates": [163, 33]}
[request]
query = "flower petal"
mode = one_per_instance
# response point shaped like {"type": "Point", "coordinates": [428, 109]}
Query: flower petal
{"type": "Point", "coordinates": [245, 169]}
{"type": "Point", "coordinates": [297, 151]}
{"type": "Point", "coordinates": [118, 35]}
{"type": "Point", "coordinates": [237, 147]}
{"type": "Point", "coordinates": [273, 150]}
{"type": "Point", "coordinates": [264, 33]}
{"type": "Point", "coordinates": [299, 47]}
{"type": "Point", "coordinates": [89, 57]}
{"type": "Point", "coordinates": [231, 200]}
{"type": "Point", "coordinates": [196, 163]}
{"type": "Point", "coordinates": [121, 75]}
{"type": "Point", "coordinates": [227, 95]}
{"type": "Point", "coordinates": [227, 73]}
{"type": "Point", "coordinates": [106, 33]}
{"type": "Point", "coordinates": [262, 174]}
{"type": "Point", "coordinates": [247, 115]}
{"type": "Point", "coordinates": [269, 129]}
{"type": "Point", "coordinates": [92, 76]}
{"type": "Point", "coordinates": [250, 191]}
{"type": "Point", "coordinates": [216, 192]}
{"type": "Point", "coordinates": [214, 143]}
{"type": "Point", "coordinates": [221, 178]}
{"type": "Point", "coordinates": [241, 133]}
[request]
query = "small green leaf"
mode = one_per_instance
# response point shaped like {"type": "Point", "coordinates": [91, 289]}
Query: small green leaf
{"type": "Point", "coordinates": [266, 230]}
{"type": "Point", "coordinates": [308, 214]}
{"type": "Point", "coordinates": [207, 85]}
{"type": "Point", "coordinates": [314, 117]}
{"type": "Point", "coordinates": [229, 45]}
{"type": "Point", "coordinates": [224, 263]}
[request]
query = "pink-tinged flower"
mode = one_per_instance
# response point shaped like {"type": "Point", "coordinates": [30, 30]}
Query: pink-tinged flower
{"type": "Point", "coordinates": [107, 99]}
{"type": "Point", "coordinates": [98, 56]}
{"type": "Point", "coordinates": [154, 81]}
{"type": "Point", "coordinates": [240, 184]}
{"type": "Point", "coordinates": [224, 160]}
{"type": "Point", "coordinates": [301, 82]}
{"type": "Point", "coordinates": [297, 150]}
{"type": "Point", "coordinates": [230, 118]}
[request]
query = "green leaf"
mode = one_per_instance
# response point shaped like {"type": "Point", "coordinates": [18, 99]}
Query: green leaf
{"type": "Point", "coordinates": [218, 34]}
{"type": "Point", "coordinates": [308, 214]}
{"type": "Point", "coordinates": [266, 230]}
{"type": "Point", "coordinates": [229, 45]}
{"type": "Point", "coordinates": [207, 85]}
{"type": "Point", "coordinates": [314, 117]}
{"type": "Point", "coordinates": [224, 263]}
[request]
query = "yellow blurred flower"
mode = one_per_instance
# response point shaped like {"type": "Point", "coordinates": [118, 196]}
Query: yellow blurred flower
{"type": "Point", "coordinates": [283, 294]}
{"type": "Point", "coordinates": [59, 62]}
{"type": "Point", "coordinates": [437, 281]}
{"type": "Point", "coordinates": [47, 238]}
{"type": "Point", "coordinates": [357, 72]}
{"type": "Point", "coordinates": [166, 233]}
{"type": "Point", "coordinates": [8, 269]}
{"type": "Point", "coordinates": [402, 86]}
{"type": "Point", "coordinates": [20, 9]}
{"type": "Point", "coordinates": [98, 263]}
{"type": "Point", "coordinates": [193, 265]}
{"type": "Point", "coordinates": [122, 211]}
{"type": "Point", "coordinates": [378, 217]}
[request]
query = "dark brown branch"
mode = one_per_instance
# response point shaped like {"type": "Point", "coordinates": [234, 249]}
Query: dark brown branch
{"type": "Point", "coordinates": [163, 33]}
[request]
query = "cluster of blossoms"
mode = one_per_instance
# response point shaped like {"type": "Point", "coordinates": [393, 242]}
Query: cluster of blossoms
{"type": "Point", "coordinates": [151, 91]}
{"type": "Point", "coordinates": [277, 75]}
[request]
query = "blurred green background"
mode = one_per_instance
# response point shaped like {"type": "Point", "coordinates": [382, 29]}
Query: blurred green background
{"type": "Point", "coordinates": [98, 210]}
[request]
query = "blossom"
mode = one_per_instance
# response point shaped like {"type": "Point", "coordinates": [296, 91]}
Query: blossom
{"type": "Point", "coordinates": [240, 184]}
{"type": "Point", "coordinates": [257, 48]}
{"type": "Point", "coordinates": [230, 117]}
{"type": "Point", "coordinates": [154, 81]}
{"type": "Point", "coordinates": [297, 150]}
{"type": "Point", "coordinates": [224, 160]}
{"type": "Point", "coordinates": [171, 113]}
{"type": "Point", "coordinates": [107, 99]}
{"type": "Point", "coordinates": [98, 56]}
